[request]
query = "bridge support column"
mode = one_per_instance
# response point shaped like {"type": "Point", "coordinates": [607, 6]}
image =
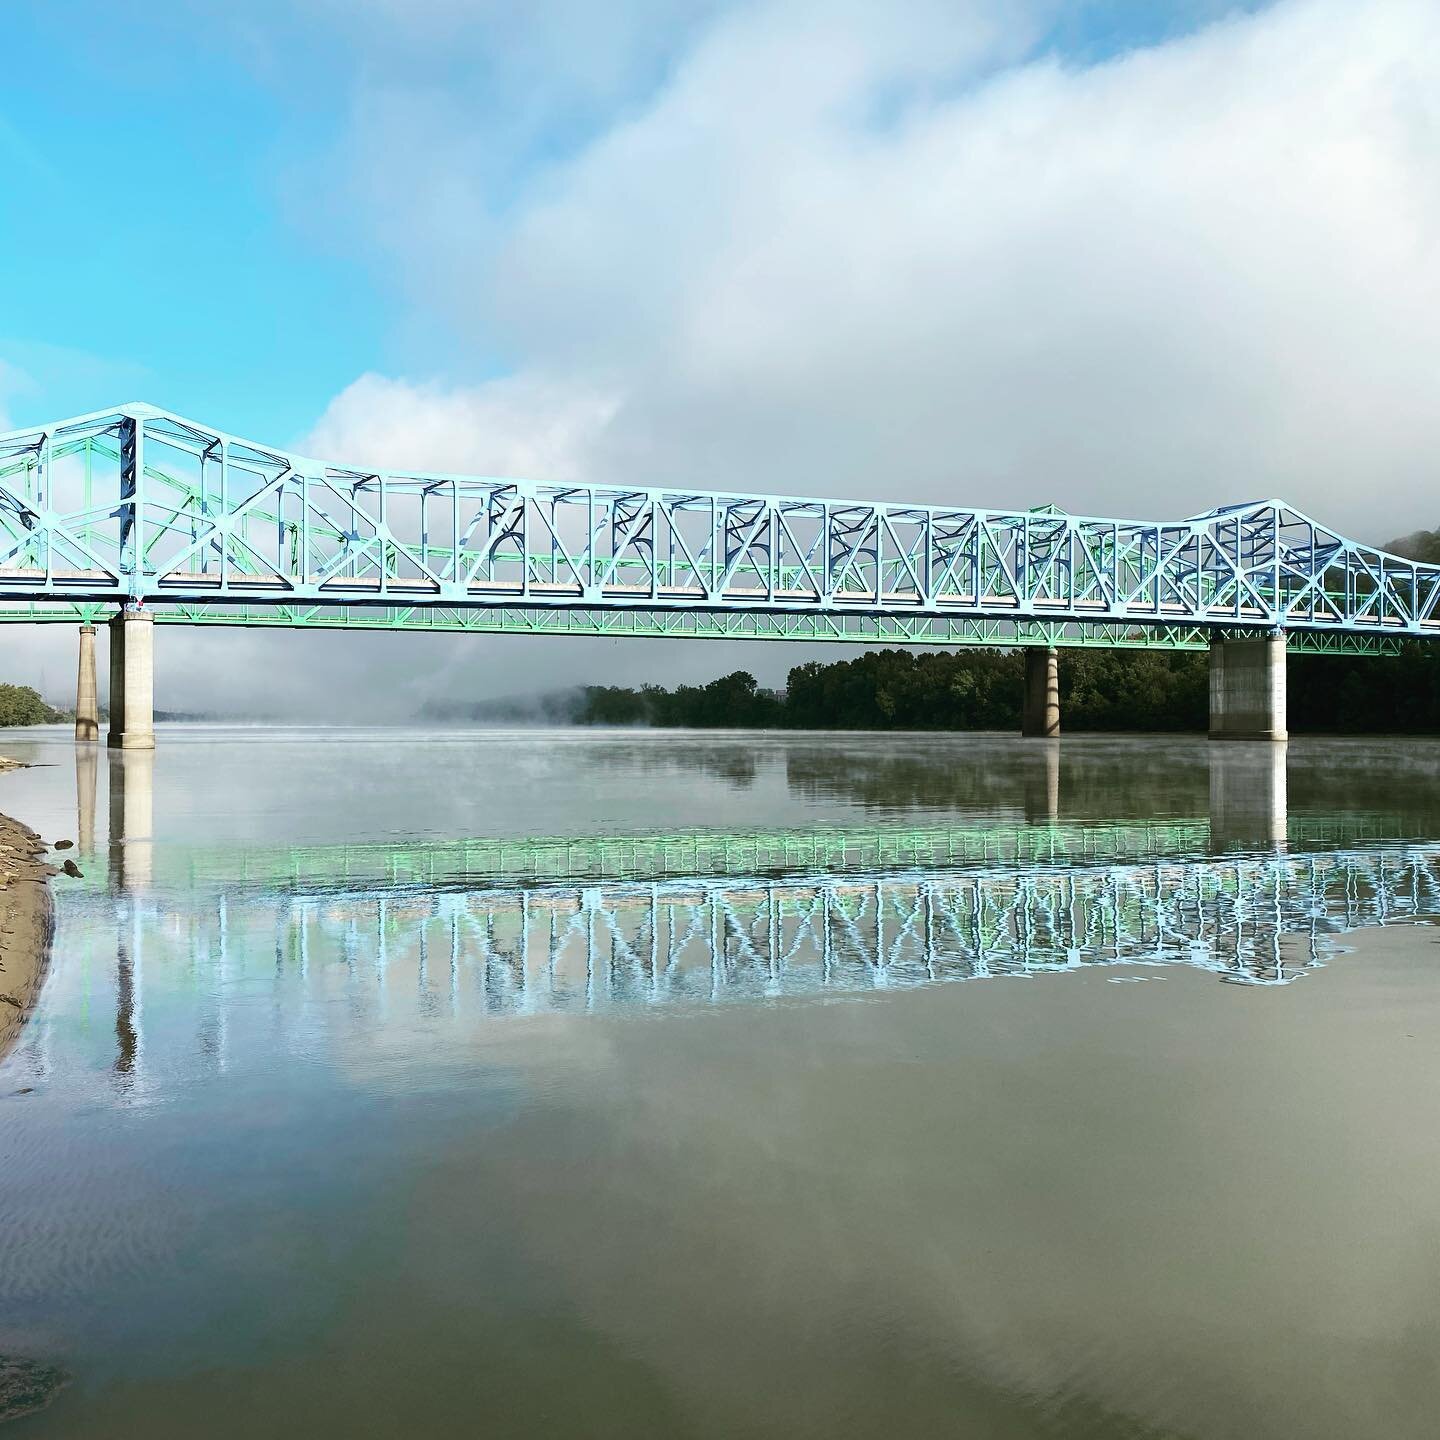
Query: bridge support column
{"type": "Point", "coordinates": [1041, 715]}
{"type": "Point", "coordinates": [132, 680]}
{"type": "Point", "coordinates": [1247, 689]}
{"type": "Point", "coordinates": [87, 701]}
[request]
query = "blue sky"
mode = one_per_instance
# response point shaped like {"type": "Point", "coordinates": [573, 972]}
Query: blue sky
{"type": "Point", "coordinates": [175, 223]}
{"type": "Point", "coordinates": [147, 246]}
{"type": "Point", "coordinates": [178, 223]}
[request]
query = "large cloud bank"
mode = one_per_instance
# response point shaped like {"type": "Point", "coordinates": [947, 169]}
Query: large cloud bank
{"type": "Point", "coordinates": [896, 251]}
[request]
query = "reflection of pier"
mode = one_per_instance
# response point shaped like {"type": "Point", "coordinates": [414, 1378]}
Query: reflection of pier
{"type": "Point", "coordinates": [1248, 797]}
{"type": "Point", "coordinates": [132, 818]}
{"type": "Point", "coordinates": [86, 766]}
{"type": "Point", "coordinates": [1042, 784]}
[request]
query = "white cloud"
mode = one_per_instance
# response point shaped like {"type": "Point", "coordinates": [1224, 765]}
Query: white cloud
{"type": "Point", "coordinates": [871, 250]}
{"type": "Point", "coordinates": [520, 425]}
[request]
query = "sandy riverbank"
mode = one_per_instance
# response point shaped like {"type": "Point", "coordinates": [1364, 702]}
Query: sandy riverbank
{"type": "Point", "coordinates": [27, 919]}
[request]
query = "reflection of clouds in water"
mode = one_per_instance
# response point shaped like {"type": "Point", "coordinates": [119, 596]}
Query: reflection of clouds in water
{"type": "Point", "coordinates": [1121, 1199]}
{"type": "Point", "coordinates": [85, 1232]}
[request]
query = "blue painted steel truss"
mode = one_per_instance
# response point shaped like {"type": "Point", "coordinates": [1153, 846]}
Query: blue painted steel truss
{"type": "Point", "coordinates": [137, 505]}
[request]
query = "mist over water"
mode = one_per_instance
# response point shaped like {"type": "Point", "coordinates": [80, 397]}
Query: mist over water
{"type": "Point", "coordinates": [586, 1083]}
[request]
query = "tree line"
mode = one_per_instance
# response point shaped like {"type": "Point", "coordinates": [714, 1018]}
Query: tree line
{"type": "Point", "coordinates": [1100, 690]}
{"type": "Point", "coordinates": [20, 705]}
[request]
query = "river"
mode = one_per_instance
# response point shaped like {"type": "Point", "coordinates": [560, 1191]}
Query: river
{"type": "Point", "coordinates": [589, 1084]}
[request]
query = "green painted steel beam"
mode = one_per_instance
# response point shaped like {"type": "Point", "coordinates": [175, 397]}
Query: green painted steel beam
{"type": "Point", "coordinates": [693, 625]}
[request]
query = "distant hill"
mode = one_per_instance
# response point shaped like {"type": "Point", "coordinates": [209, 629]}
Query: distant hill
{"type": "Point", "coordinates": [1423, 545]}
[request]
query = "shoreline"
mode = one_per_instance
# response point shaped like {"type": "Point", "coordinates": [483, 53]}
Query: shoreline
{"type": "Point", "coordinates": [27, 923]}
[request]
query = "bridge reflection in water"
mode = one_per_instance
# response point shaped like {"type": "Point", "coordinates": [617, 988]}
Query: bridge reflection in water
{"type": "Point", "coordinates": [491, 927]}
{"type": "Point", "coordinates": [1252, 920]}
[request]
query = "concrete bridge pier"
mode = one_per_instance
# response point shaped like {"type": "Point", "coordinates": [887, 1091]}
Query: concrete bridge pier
{"type": "Point", "coordinates": [132, 680]}
{"type": "Point", "coordinates": [87, 700]}
{"type": "Point", "coordinates": [1247, 689]}
{"type": "Point", "coordinates": [1040, 718]}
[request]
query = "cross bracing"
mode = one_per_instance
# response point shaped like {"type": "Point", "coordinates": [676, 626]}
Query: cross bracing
{"type": "Point", "coordinates": [139, 506]}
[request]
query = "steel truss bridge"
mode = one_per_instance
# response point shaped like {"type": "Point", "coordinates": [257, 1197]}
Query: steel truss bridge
{"type": "Point", "coordinates": [137, 506]}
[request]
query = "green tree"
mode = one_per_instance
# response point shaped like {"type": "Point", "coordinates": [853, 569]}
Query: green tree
{"type": "Point", "coordinates": [1423, 545]}
{"type": "Point", "coordinates": [20, 705]}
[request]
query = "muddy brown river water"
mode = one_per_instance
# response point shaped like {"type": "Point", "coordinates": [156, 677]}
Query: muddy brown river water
{"type": "Point", "coordinates": [626, 1084]}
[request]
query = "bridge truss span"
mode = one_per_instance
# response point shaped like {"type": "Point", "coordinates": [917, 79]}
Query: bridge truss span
{"type": "Point", "coordinates": [140, 506]}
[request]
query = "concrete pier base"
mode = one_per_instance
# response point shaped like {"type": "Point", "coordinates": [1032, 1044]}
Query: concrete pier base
{"type": "Point", "coordinates": [132, 681]}
{"type": "Point", "coordinates": [1247, 689]}
{"type": "Point", "coordinates": [1041, 715]}
{"type": "Point", "coordinates": [87, 697]}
